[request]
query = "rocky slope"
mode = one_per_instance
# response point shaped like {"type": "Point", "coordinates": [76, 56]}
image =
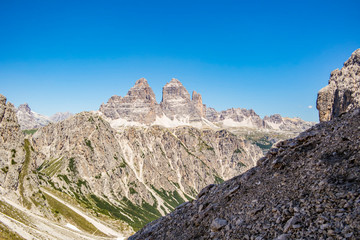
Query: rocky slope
{"type": "Point", "coordinates": [136, 174]}
{"type": "Point", "coordinates": [307, 187]}
{"type": "Point", "coordinates": [343, 92]}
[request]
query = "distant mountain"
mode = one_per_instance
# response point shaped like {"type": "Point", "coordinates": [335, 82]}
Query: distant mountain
{"type": "Point", "coordinates": [60, 116]}
{"type": "Point", "coordinates": [139, 107]}
{"type": "Point", "coordinates": [29, 119]}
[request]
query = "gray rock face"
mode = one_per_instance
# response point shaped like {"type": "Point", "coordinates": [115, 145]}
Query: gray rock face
{"type": "Point", "coordinates": [176, 102]}
{"type": "Point", "coordinates": [29, 119]}
{"type": "Point", "coordinates": [307, 187]}
{"type": "Point", "coordinates": [138, 105]}
{"type": "Point", "coordinates": [343, 92]}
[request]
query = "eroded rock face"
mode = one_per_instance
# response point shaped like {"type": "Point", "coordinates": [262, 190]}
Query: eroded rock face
{"type": "Point", "coordinates": [307, 187]}
{"type": "Point", "coordinates": [138, 105]}
{"type": "Point", "coordinates": [343, 92]}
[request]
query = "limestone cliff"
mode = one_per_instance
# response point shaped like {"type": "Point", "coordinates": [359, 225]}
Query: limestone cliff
{"type": "Point", "coordinates": [343, 92]}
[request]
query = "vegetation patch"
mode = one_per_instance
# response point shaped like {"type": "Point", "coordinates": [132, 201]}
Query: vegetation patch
{"type": "Point", "coordinates": [50, 168]}
{"type": "Point", "coordinates": [88, 143]}
{"type": "Point", "coordinates": [132, 191]}
{"type": "Point", "coordinates": [171, 198]}
{"type": "Point", "coordinates": [5, 169]}
{"type": "Point", "coordinates": [239, 150]}
{"type": "Point", "coordinates": [122, 164]}
{"type": "Point", "coordinates": [75, 219]}
{"type": "Point", "coordinates": [218, 179]}
{"type": "Point", "coordinates": [241, 164]}
{"type": "Point", "coordinates": [64, 178]}
{"type": "Point", "coordinates": [136, 216]}
{"type": "Point", "coordinates": [13, 153]}
{"type": "Point", "coordinates": [204, 145]}
{"type": "Point", "coordinates": [72, 165]}
{"type": "Point", "coordinates": [30, 131]}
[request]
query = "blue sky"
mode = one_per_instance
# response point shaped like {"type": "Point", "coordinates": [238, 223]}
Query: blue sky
{"type": "Point", "coordinates": [271, 56]}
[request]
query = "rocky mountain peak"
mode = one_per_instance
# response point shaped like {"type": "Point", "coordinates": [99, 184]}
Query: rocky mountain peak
{"type": "Point", "coordinates": [25, 108]}
{"type": "Point", "coordinates": [174, 90]}
{"type": "Point", "coordinates": [343, 92]}
{"type": "Point", "coordinates": [141, 81]}
{"type": "Point", "coordinates": [138, 105]}
{"type": "Point", "coordinates": [141, 90]}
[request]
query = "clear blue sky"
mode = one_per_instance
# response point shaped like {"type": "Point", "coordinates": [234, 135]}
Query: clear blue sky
{"type": "Point", "coordinates": [271, 56]}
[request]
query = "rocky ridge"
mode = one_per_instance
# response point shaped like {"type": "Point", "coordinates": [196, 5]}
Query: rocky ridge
{"type": "Point", "coordinates": [343, 92]}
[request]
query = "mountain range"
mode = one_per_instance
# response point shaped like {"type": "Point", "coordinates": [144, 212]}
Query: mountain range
{"type": "Point", "coordinates": [139, 108]}
{"type": "Point", "coordinates": [106, 174]}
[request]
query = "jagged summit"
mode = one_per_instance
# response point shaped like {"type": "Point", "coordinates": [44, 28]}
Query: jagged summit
{"type": "Point", "coordinates": [343, 92]}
